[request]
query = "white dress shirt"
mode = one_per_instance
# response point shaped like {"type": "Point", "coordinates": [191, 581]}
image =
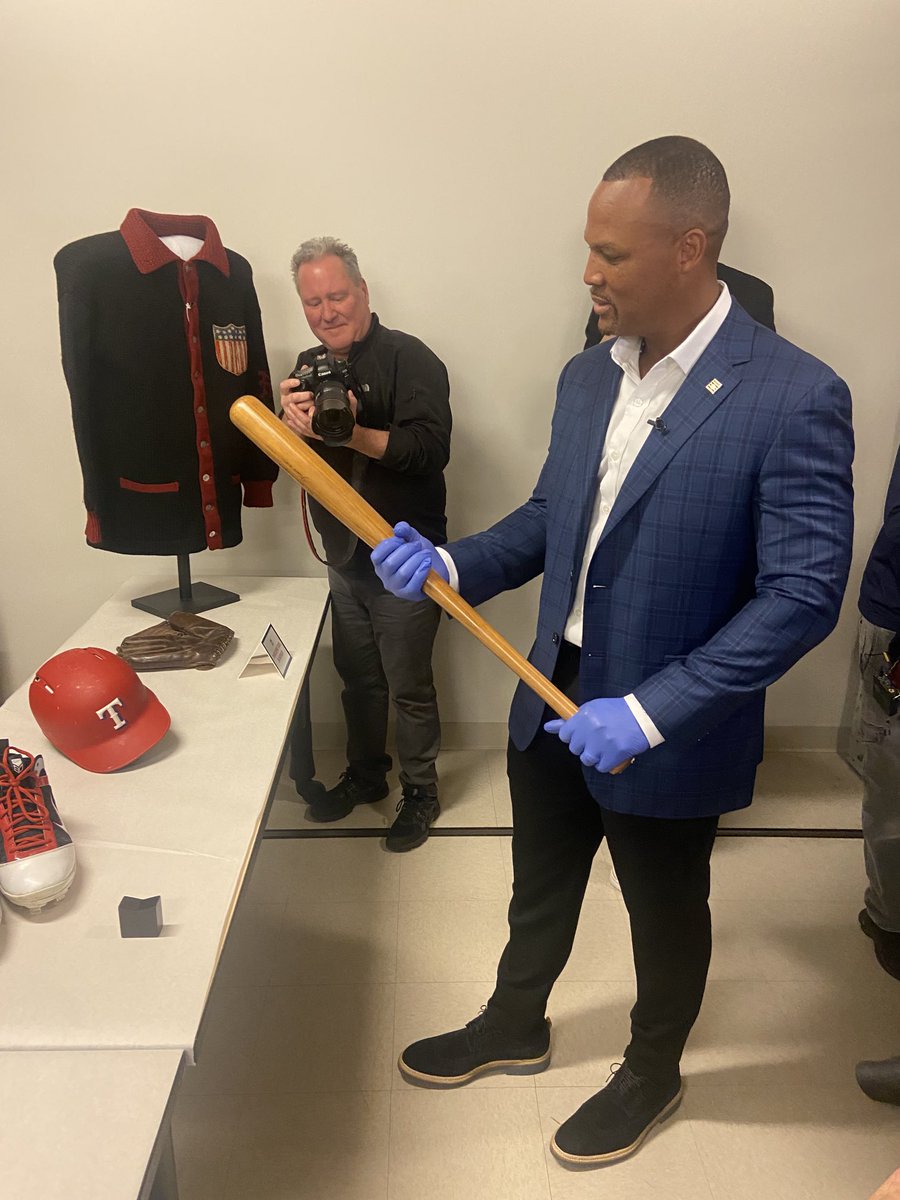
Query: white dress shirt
{"type": "Point", "coordinates": [638, 402]}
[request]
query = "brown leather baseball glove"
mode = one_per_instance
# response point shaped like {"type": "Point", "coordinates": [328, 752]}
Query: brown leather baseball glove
{"type": "Point", "coordinates": [185, 640]}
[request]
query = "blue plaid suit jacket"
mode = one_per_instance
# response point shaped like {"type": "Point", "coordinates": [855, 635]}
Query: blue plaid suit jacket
{"type": "Point", "coordinates": [723, 561]}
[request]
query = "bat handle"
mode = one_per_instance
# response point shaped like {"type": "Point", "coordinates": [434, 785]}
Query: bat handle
{"type": "Point", "coordinates": [565, 708]}
{"type": "Point", "coordinates": [443, 594]}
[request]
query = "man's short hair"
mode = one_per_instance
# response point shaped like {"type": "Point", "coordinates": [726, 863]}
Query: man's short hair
{"type": "Point", "coordinates": [687, 177]}
{"type": "Point", "coordinates": [319, 247]}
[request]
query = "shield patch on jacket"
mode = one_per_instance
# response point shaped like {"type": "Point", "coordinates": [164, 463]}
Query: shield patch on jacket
{"type": "Point", "coordinates": [231, 347]}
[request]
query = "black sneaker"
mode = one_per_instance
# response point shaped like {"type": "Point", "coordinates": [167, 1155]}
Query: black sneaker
{"type": "Point", "coordinates": [344, 797]}
{"type": "Point", "coordinates": [416, 813]}
{"type": "Point", "coordinates": [451, 1059]}
{"type": "Point", "coordinates": [612, 1124]}
{"type": "Point", "coordinates": [887, 944]}
{"type": "Point", "coordinates": [880, 1080]}
{"type": "Point", "coordinates": [311, 790]}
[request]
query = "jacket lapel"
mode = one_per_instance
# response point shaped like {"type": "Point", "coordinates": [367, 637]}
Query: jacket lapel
{"type": "Point", "coordinates": [588, 461]}
{"type": "Point", "coordinates": [709, 384]}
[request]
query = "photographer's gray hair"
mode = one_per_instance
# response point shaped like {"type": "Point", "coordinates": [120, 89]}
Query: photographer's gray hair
{"type": "Point", "coordinates": [319, 247]}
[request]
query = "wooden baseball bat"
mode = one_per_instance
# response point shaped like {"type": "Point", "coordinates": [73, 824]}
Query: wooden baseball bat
{"type": "Point", "coordinates": [292, 454]}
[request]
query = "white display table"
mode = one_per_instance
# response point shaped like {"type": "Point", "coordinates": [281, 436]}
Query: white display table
{"type": "Point", "coordinates": [203, 787]}
{"type": "Point", "coordinates": [69, 980]}
{"type": "Point", "coordinates": [180, 823]}
{"type": "Point", "coordinates": [81, 1125]}
{"type": "Point", "coordinates": [96, 1026]}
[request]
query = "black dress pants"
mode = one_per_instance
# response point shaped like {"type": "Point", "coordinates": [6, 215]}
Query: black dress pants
{"type": "Point", "coordinates": [663, 868]}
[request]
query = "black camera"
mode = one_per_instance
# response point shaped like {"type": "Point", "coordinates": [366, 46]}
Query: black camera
{"type": "Point", "coordinates": [330, 379]}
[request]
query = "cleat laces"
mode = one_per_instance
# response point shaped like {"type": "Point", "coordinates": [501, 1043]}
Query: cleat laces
{"type": "Point", "coordinates": [25, 823]}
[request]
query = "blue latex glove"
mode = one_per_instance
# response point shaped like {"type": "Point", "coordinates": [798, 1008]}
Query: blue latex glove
{"type": "Point", "coordinates": [402, 562]}
{"type": "Point", "coordinates": [603, 733]}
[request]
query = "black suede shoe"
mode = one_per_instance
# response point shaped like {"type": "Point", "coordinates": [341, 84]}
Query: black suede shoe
{"type": "Point", "coordinates": [880, 1080]}
{"type": "Point", "coordinates": [887, 944]}
{"type": "Point", "coordinates": [612, 1124]}
{"type": "Point", "coordinates": [416, 813]}
{"type": "Point", "coordinates": [481, 1047]}
{"type": "Point", "coordinates": [344, 797]}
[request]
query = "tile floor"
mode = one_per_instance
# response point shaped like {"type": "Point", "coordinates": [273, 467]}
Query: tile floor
{"type": "Point", "coordinates": [340, 954]}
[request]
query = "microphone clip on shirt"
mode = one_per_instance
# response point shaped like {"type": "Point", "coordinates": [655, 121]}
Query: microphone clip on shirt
{"type": "Point", "coordinates": [659, 424]}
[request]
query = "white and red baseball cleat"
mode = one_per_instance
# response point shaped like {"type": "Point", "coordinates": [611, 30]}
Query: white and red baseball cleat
{"type": "Point", "coordinates": [37, 858]}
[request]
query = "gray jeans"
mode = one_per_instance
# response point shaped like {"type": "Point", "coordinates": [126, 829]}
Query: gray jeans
{"type": "Point", "coordinates": [382, 652]}
{"type": "Point", "coordinates": [875, 753]}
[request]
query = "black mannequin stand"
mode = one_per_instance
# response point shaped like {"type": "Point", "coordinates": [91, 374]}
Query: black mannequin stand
{"type": "Point", "coordinates": [187, 597]}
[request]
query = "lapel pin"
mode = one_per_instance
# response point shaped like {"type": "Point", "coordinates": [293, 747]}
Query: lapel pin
{"type": "Point", "coordinates": [713, 386]}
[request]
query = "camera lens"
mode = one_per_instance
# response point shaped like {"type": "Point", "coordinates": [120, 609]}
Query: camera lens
{"type": "Point", "coordinates": [333, 420]}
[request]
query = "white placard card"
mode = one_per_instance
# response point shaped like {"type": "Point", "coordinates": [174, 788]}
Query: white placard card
{"type": "Point", "coordinates": [270, 655]}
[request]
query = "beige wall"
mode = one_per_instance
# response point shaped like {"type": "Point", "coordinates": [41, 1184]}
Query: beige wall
{"type": "Point", "coordinates": [455, 147]}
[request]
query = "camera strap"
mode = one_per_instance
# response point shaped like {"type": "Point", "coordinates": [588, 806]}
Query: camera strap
{"type": "Point", "coordinates": [358, 470]}
{"type": "Point", "coordinates": [360, 465]}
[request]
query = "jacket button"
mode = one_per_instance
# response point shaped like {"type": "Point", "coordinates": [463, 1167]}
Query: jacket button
{"type": "Point", "coordinates": [556, 639]}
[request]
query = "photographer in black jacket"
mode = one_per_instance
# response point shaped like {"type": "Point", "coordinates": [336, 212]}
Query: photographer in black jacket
{"type": "Point", "coordinates": [395, 458]}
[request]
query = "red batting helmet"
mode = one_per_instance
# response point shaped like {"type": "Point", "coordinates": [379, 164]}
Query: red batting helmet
{"type": "Point", "coordinates": [91, 705]}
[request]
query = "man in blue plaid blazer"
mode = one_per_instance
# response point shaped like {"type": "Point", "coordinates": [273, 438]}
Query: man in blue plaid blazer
{"type": "Point", "coordinates": [692, 524]}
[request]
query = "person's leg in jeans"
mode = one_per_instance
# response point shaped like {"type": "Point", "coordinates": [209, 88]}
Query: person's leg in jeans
{"type": "Point", "coordinates": [877, 740]}
{"type": "Point", "coordinates": [878, 743]}
{"type": "Point", "coordinates": [405, 633]}
{"type": "Point", "coordinates": [881, 831]}
{"type": "Point", "coordinates": [365, 692]}
{"type": "Point", "coordinates": [879, 736]}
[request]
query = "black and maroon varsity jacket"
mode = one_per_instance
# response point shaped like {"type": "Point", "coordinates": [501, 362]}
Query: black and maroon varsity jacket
{"type": "Point", "coordinates": [154, 351]}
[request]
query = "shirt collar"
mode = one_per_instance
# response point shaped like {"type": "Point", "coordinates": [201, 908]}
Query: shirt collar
{"type": "Point", "coordinates": [626, 350]}
{"type": "Point", "coordinates": [142, 231]}
{"type": "Point", "coordinates": [357, 348]}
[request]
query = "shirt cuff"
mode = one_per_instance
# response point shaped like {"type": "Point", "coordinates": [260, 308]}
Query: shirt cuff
{"type": "Point", "coordinates": [451, 568]}
{"type": "Point", "coordinates": [257, 493]}
{"type": "Point", "coordinates": [649, 730]}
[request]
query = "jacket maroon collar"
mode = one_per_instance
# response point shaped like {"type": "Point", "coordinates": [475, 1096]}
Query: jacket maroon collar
{"type": "Point", "coordinates": [142, 231]}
